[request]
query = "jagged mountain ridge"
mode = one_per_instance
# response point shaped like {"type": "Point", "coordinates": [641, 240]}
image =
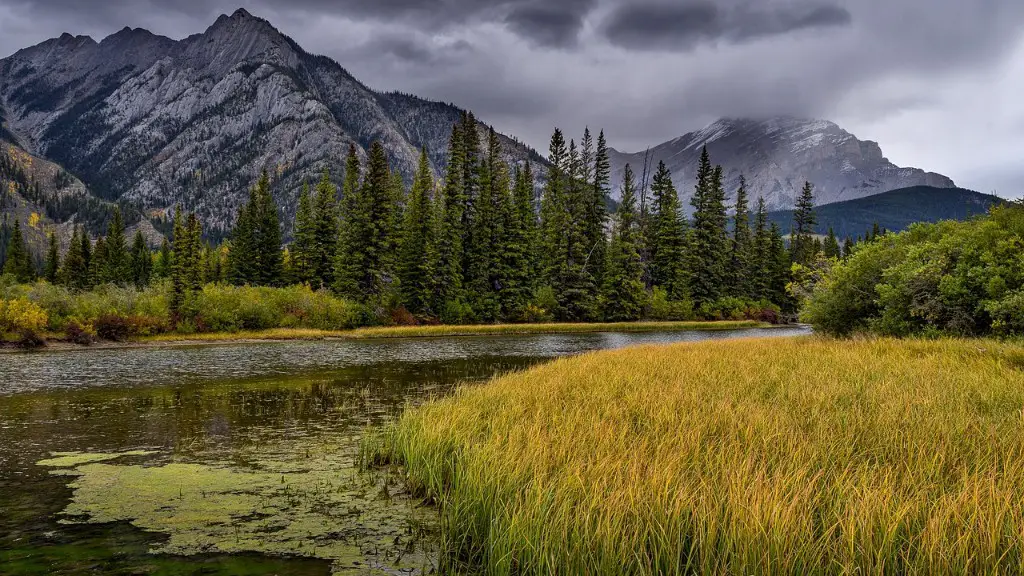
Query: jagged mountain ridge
{"type": "Point", "coordinates": [150, 121]}
{"type": "Point", "coordinates": [777, 156]}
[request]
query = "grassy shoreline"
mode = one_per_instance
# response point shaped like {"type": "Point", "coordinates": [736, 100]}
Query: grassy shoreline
{"type": "Point", "coordinates": [803, 456]}
{"type": "Point", "coordinates": [396, 332]}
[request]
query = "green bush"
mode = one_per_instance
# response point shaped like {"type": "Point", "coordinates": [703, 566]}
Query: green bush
{"type": "Point", "coordinates": [222, 308]}
{"type": "Point", "coordinates": [24, 319]}
{"type": "Point", "coordinates": [663, 309]}
{"type": "Point", "coordinates": [955, 278]}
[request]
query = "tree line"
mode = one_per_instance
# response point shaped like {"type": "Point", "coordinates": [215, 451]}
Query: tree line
{"type": "Point", "coordinates": [480, 244]}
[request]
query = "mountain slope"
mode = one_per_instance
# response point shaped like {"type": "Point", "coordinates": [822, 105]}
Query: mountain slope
{"type": "Point", "coordinates": [895, 210]}
{"type": "Point", "coordinates": [151, 121]}
{"type": "Point", "coordinates": [777, 156]}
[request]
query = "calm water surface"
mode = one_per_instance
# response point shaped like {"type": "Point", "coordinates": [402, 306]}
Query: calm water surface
{"type": "Point", "coordinates": [243, 457]}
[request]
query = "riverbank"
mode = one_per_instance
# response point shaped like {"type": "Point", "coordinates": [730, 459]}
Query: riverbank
{"type": "Point", "coordinates": [805, 456]}
{"type": "Point", "coordinates": [393, 332]}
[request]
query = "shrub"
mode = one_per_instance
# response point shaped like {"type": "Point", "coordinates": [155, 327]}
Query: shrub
{"type": "Point", "coordinates": [21, 316]}
{"type": "Point", "coordinates": [79, 334]}
{"type": "Point", "coordinates": [663, 309]}
{"type": "Point", "coordinates": [113, 327]}
{"type": "Point", "coordinates": [955, 278]}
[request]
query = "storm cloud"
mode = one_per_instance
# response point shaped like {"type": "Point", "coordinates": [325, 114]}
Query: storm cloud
{"type": "Point", "coordinates": [936, 82]}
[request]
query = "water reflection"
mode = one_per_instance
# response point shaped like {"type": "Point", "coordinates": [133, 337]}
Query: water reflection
{"type": "Point", "coordinates": [233, 417]}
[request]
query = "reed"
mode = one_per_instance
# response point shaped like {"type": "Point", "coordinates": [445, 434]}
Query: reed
{"type": "Point", "coordinates": [803, 456]}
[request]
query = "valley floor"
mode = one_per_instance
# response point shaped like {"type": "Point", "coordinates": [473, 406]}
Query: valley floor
{"type": "Point", "coordinates": [802, 456]}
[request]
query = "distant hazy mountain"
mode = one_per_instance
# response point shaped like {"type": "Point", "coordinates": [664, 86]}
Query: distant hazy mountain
{"type": "Point", "coordinates": [895, 210]}
{"type": "Point", "coordinates": [777, 156]}
{"type": "Point", "coordinates": [151, 121]}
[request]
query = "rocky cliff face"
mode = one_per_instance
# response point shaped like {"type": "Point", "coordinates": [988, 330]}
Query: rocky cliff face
{"type": "Point", "coordinates": [777, 156]}
{"type": "Point", "coordinates": [152, 122]}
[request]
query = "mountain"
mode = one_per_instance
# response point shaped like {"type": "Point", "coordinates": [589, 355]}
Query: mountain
{"type": "Point", "coordinates": [149, 122]}
{"type": "Point", "coordinates": [895, 210]}
{"type": "Point", "coordinates": [777, 156]}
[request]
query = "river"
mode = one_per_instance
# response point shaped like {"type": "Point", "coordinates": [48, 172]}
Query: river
{"type": "Point", "coordinates": [234, 459]}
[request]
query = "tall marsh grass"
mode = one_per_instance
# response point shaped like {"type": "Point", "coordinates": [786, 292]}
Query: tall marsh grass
{"type": "Point", "coordinates": [804, 456]}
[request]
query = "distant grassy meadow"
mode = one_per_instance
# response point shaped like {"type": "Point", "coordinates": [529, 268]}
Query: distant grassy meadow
{"type": "Point", "coordinates": [803, 456]}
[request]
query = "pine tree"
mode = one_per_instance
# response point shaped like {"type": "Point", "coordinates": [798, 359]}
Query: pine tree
{"type": "Point", "coordinates": [573, 281]}
{"type": "Point", "coordinates": [848, 247]}
{"type": "Point", "coordinates": [740, 279]}
{"type": "Point", "coordinates": [242, 263]}
{"type": "Point", "coordinates": [623, 296]}
{"type": "Point", "coordinates": [666, 244]}
{"type": "Point", "coordinates": [303, 249]}
{"type": "Point", "coordinates": [552, 211]}
{"type": "Point", "coordinates": [417, 257]}
{"type": "Point", "coordinates": [450, 255]}
{"type": "Point", "coordinates": [379, 236]}
{"type": "Point", "coordinates": [762, 258]}
{"type": "Point", "coordinates": [180, 262]}
{"type": "Point", "coordinates": [326, 231]}
{"type": "Point", "coordinates": [270, 269]}
{"type": "Point", "coordinates": [74, 271]}
{"type": "Point", "coordinates": [117, 264]}
{"type": "Point", "coordinates": [780, 270]}
{"type": "Point", "coordinates": [141, 261]}
{"type": "Point", "coordinates": [709, 240]}
{"type": "Point", "coordinates": [831, 245]}
{"type": "Point", "coordinates": [598, 217]}
{"type": "Point", "coordinates": [52, 268]}
{"type": "Point", "coordinates": [19, 262]}
{"type": "Point", "coordinates": [194, 253]}
{"type": "Point", "coordinates": [804, 221]}
{"type": "Point", "coordinates": [98, 265]}
{"type": "Point", "coordinates": [87, 266]}
{"type": "Point", "coordinates": [162, 267]}
{"type": "Point", "coordinates": [520, 247]}
{"type": "Point", "coordinates": [350, 260]}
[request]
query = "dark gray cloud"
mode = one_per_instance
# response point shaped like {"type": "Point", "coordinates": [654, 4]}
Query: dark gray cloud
{"type": "Point", "coordinates": [911, 74]}
{"type": "Point", "coordinates": [683, 25]}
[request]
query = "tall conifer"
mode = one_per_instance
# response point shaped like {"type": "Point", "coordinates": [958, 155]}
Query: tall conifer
{"type": "Point", "coordinates": [52, 268]}
{"type": "Point", "coordinates": [417, 257]}
{"type": "Point", "coordinates": [666, 244]}
{"type": "Point", "coordinates": [623, 296]}
{"type": "Point", "coordinates": [740, 279]}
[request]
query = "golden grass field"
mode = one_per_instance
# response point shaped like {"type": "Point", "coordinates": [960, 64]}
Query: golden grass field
{"type": "Point", "coordinates": [802, 456]}
{"type": "Point", "coordinates": [442, 331]}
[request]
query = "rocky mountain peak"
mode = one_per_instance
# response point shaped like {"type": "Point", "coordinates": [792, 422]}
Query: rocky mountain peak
{"type": "Point", "coordinates": [777, 154]}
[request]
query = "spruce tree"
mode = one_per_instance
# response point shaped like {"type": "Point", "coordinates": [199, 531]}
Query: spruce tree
{"type": "Point", "coordinates": [780, 270]}
{"type": "Point", "coordinates": [573, 281]}
{"type": "Point", "coordinates": [162, 267]}
{"type": "Point", "coordinates": [117, 257]}
{"type": "Point", "coordinates": [270, 270]}
{"type": "Point", "coordinates": [87, 267]}
{"type": "Point", "coordinates": [98, 265]}
{"type": "Point", "coordinates": [598, 217]}
{"type": "Point", "coordinates": [74, 271]}
{"type": "Point", "coordinates": [666, 244]}
{"type": "Point", "coordinates": [194, 253]}
{"type": "Point", "coordinates": [351, 256]}
{"type": "Point", "coordinates": [52, 268]}
{"type": "Point", "coordinates": [326, 231]}
{"type": "Point", "coordinates": [709, 244]}
{"type": "Point", "coordinates": [762, 258]}
{"type": "Point", "coordinates": [303, 249]}
{"type": "Point", "coordinates": [848, 247]}
{"type": "Point", "coordinates": [417, 256]}
{"type": "Point", "coordinates": [19, 262]}
{"type": "Point", "coordinates": [552, 211]}
{"type": "Point", "coordinates": [520, 247]}
{"type": "Point", "coordinates": [242, 262]}
{"type": "Point", "coordinates": [141, 261]}
{"type": "Point", "coordinates": [831, 246]}
{"type": "Point", "coordinates": [179, 264]}
{"type": "Point", "coordinates": [378, 238]}
{"type": "Point", "coordinates": [804, 221]}
{"type": "Point", "coordinates": [623, 296]}
{"type": "Point", "coordinates": [740, 279]}
{"type": "Point", "coordinates": [450, 255]}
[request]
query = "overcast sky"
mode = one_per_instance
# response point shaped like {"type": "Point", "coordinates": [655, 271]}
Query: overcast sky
{"type": "Point", "coordinates": [938, 83]}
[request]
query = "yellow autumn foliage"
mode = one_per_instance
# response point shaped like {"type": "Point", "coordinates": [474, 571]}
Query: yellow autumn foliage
{"type": "Point", "coordinates": [22, 316]}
